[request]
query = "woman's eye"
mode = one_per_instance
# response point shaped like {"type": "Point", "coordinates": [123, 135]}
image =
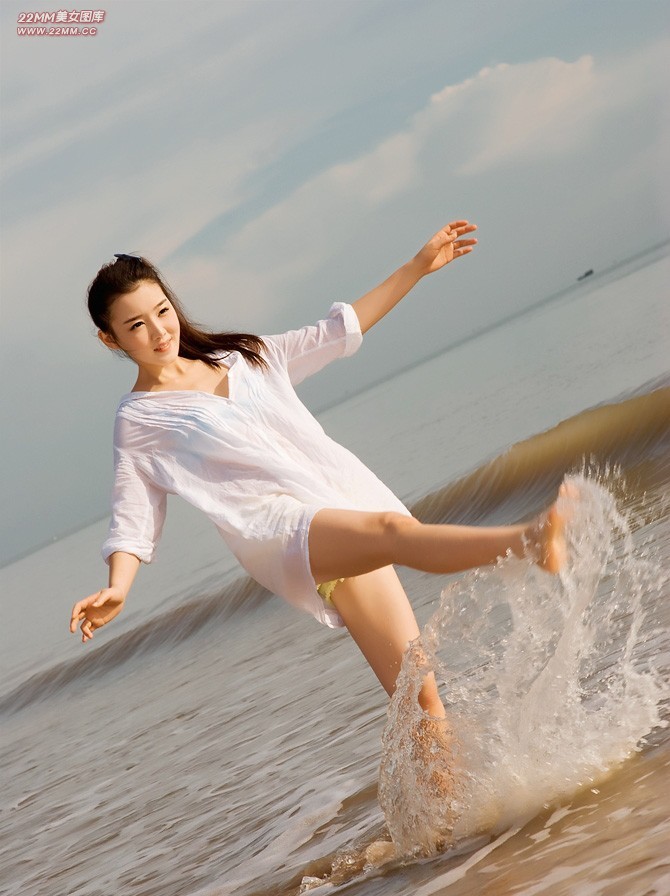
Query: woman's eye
{"type": "Point", "coordinates": [136, 325]}
{"type": "Point", "coordinates": [164, 308]}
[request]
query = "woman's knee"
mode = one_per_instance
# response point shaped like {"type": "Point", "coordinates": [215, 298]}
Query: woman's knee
{"type": "Point", "coordinates": [396, 524]}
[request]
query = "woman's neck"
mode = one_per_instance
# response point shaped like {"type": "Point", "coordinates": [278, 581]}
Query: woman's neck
{"type": "Point", "coordinates": [184, 375]}
{"type": "Point", "coordinates": [167, 377]}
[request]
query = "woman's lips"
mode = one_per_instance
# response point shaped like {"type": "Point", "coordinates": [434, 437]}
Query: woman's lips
{"type": "Point", "coordinates": [164, 346]}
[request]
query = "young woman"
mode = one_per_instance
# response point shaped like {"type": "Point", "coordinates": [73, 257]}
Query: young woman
{"type": "Point", "coordinates": [215, 419]}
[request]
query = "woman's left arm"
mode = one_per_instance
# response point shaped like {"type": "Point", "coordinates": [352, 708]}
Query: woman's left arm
{"type": "Point", "coordinates": [447, 244]}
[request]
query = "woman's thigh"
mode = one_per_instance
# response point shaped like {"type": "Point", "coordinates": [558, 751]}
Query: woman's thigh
{"type": "Point", "coordinates": [344, 543]}
{"type": "Point", "coordinates": [380, 619]}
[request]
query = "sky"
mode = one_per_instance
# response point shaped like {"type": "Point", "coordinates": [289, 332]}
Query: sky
{"type": "Point", "coordinates": [275, 156]}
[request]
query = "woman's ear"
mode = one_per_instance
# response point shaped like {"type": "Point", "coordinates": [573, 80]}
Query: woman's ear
{"type": "Point", "coordinates": [107, 339]}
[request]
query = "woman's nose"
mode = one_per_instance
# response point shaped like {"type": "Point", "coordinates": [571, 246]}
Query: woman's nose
{"type": "Point", "coordinates": [158, 331]}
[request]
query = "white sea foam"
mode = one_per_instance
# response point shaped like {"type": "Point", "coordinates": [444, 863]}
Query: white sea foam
{"type": "Point", "coordinates": [548, 686]}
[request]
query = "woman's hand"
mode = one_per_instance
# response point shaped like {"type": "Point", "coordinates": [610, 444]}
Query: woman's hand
{"type": "Point", "coordinates": [446, 245]}
{"type": "Point", "coordinates": [96, 610]}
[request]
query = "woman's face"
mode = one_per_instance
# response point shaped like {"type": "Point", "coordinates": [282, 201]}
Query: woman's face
{"type": "Point", "coordinates": [144, 324]}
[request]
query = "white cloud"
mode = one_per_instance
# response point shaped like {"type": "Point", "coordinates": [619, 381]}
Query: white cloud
{"type": "Point", "coordinates": [504, 115]}
{"type": "Point", "coordinates": [538, 109]}
{"type": "Point", "coordinates": [152, 210]}
{"type": "Point", "coordinates": [508, 115]}
{"type": "Point", "coordinates": [549, 107]}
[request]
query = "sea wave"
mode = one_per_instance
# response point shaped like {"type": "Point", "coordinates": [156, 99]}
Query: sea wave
{"type": "Point", "coordinates": [159, 631]}
{"type": "Point", "coordinates": [632, 434]}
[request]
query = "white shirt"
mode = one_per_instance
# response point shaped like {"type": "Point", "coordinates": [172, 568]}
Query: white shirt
{"type": "Point", "coordinates": [257, 463]}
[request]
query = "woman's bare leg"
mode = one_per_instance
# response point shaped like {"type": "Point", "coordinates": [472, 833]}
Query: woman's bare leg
{"type": "Point", "coordinates": [381, 621]}
{"type": "Point", "coordinates": [344, 543]}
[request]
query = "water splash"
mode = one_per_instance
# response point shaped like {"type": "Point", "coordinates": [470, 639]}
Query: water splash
{"type": "Point", "coordinates": [548, 681]}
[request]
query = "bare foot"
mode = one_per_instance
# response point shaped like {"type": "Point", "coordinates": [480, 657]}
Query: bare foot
{"type": "Point", "coordinates": [379, 853]}
{"type": "Point", "coordinates": [547, 534]}
{"type": "Point", "coordinates": [433, 750]}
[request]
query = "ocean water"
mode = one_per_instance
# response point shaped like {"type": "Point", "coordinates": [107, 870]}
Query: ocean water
{"type": "Point", "coordinates": [215, 741]}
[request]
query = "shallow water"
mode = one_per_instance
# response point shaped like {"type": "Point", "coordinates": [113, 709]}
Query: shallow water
{"type": "Point", "coordinates": [541, 667]}
{"type": "Point", "coordinates": [216, 741]}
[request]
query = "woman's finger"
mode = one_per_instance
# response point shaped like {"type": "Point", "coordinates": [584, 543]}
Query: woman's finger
{"type": "Point", "coordinates": [466, 228]}
{"type": "Point", "coordinates": [79, 609]}
{"type": "Point", "coordinates": [77, 615]}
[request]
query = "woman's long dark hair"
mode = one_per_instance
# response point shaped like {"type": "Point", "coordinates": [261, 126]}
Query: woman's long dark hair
{"type": "Point", "coordinates": [126, 273]}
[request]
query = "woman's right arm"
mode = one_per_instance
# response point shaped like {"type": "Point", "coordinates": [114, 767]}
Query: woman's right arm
{"type": "Point", "coordinates": [100, 608]}
{"type": "Point", "coordinates": [138, 514]}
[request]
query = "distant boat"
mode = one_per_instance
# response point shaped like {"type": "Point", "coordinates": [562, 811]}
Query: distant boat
{"type": "Point", "coordinates": [585, 274]}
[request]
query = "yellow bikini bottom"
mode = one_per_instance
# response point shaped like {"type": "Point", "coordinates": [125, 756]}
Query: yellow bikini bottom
{"type": "Point", "coordinates": [325, 589]}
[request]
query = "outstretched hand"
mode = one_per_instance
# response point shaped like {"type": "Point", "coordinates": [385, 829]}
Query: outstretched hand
{"type": "Point", "coordinates": [96, 610]}
{"type": "Point", "coordinates": [446, 245]}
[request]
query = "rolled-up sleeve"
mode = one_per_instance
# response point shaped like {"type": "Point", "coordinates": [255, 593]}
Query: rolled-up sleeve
{"type": "Point", "coordinates": [138, 512]}
{"type": "Point", "coordinates": [306, 351]}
